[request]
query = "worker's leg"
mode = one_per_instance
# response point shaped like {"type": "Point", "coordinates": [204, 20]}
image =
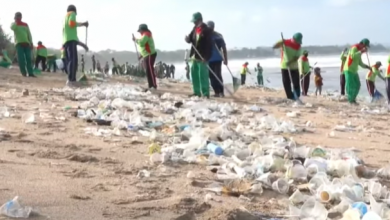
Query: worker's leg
{"type": "Point", "coordinates": [21, 59]}
{"type": "Point", "coordinates": [204, 79]}
{"type": "Point", "coordinates": [195, 76]}
{"type": "Point", "coordinates": [295, 82]}
{"type": "Point", "coordinates": [287, 84]}
{"type": "Point", "coordinates": [28, 55]}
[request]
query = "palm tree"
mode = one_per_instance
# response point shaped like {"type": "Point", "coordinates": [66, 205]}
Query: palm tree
{"type": "Point", "coordinates": [5, 39]}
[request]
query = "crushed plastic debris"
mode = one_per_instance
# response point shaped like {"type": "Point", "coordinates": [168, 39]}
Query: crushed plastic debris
{"type": "Point", "coordinates": [245, 148]}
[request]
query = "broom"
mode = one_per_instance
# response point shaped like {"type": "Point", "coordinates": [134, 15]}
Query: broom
{"type": "Point", "coordinates": [289, 71]}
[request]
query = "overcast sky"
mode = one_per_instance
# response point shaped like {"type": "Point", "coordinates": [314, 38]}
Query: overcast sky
{"type": "Point", "coordinates": [243, 23]}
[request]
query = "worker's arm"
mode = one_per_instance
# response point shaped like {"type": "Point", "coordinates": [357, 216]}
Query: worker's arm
{"type": "Point", "coordinates": [188, 37]}
{"type": "Point", "coordinates": [72, 22]}
{"type": "Point", "coordinates": [83, 46]}
{"type": "Point", "coordinates": [29, 35]}
{"type": "Point", "coordinates": [278, 44]}
{"type": "Point", "coordinates": [301, 67]}
{"type": "Point", "coordinates": [356, 54]}
{"type": "Point", "coordinates": [13, 26]}
{"type": "Point", "coordinates": [144, 39]}
{"type": "Point", "coordinates": [224, 50]}
{"type": "Point", "coordinates": [379, 74]}
{"type": "Point", "coordinates": [294, 59]}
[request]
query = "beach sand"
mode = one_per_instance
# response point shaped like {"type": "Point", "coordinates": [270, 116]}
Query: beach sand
{"type": "Point", "coordinates": [66, 174]}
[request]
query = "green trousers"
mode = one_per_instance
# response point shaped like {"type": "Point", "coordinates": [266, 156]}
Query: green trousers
{"type": "Point", "coordinates": [24, 59]}
{"type": "Point", "coordinates": [51, 65]}
{"type": "Point", "coordinates": [4, 63]}
{"type": "Point", "coordinates": [352, 85]}
{"type": "Point", "coordinates": [200, 78]}
{"type": "Point", "coordinates": [260, 79]}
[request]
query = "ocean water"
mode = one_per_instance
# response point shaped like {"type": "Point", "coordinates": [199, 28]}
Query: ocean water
{"type": "Point", "coordinates": [330, 65]}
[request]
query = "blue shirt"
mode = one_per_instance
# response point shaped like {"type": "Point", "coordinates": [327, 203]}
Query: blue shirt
{"type": "Point", "coordinates": [218, 42]}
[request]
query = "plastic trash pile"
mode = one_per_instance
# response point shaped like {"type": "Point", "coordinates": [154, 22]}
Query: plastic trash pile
{"type": "Point", "coordinates": [245, 149]}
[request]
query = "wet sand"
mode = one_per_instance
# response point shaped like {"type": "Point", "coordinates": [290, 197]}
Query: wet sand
{"type": "Point", "coordinates": [66, 174]}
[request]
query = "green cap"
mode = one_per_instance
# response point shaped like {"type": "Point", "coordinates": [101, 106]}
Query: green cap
{"type": "Point", "coordinates": [196, 17]}
{"type": "Point", "coordinates": [142, 27]}
{"type": "Point", "coordinates": [378, 63]}
{"type": "Point", "coordinates": [298, 38]}
{"type": "Point", "coordinates": [305, 52]}
{"type": "Point", "coordinates": [366, 42]}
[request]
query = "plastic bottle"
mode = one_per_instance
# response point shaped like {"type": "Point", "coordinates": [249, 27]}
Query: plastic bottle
{"type": "Point", "coordinates": [14, 210]}
{"type": "Point", "coordinates": [361, 207]}
{"type": "Point", "coordinates": [215, 149]}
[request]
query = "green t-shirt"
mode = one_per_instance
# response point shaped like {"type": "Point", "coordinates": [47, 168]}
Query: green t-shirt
{"type": "Point", "coordinates": [244, 69]}
{"type": "Point", "coordinates": [69, 30]}
{"type": "Point", "coordinates": [304, 66]}
{"type": "Point", "coordinates": [259, 70]}
{"type": "Point", "coordinates": [388, 68]}
{"type": "Point", "coordinates": [371, 75]}
{"type": "Point", "coordinates": [353, 60]}
{"type": "Point", "coordinates": [290, 50]}
{"type": "Point", "coordinates": [41, 51]}
{"type": "Point", "coordinates": [146, 44]}
{"type": "Point", "coordinates": [22, 32]}
{"type": "Point", "coordinates": [343, 58]}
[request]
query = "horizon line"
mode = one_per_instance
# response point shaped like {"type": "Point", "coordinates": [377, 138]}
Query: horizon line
{"type": "Point", "coordinates": [235, 48]}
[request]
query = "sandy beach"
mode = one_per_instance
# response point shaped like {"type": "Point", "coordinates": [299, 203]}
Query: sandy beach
{"type": "Point", "coordinates": [66, 174]}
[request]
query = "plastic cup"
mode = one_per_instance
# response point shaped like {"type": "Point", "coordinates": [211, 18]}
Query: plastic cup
{"type": "Point", "coordinates": [325, 196]}
{"type": "Point", "coordinates": [281, 186]}
{"type": "Point", "coordinates": [375, 189]}
{"type": "Point", "coordinates": [313, 209]}
{"type": "Point", "coordinates": [297, 197]}
{"type": "Point", "coordinates": [312, 170]}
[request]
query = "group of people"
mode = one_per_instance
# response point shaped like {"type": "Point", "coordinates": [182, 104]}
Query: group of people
{"type": "Point", "coordinates": [349, 78]}
{"type": "Point", "coordinates": [258, 70]}
{"type": "Point", "coordinates": [296, 70]}
{"type": "Point", "coordinates": [164, 70]}
{"type": "Point", "coordinates": [208, 52]}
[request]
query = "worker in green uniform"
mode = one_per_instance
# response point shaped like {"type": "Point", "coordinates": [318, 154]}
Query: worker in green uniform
{"type": "Point", "coordinates": [351, 66]}
{"type": "Point", "coordinates": [304, 69]}
{"type": "Point", "coordinates": [343, 58]}
{"type": "Point", "coordinates": [41, 56]}
{"type": "Point", "coordinates": [23, 44]}
{"type": "Point", "coordinates": [51, 63]}
{"type": "Point", "coordinates": [370, 81]}
{"type": "Point", "coordinates": [260, 79]}
{"type": "Point", "coordinates": [5, 60]}
{"type": "Point", "coordinates": [201, 50]}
